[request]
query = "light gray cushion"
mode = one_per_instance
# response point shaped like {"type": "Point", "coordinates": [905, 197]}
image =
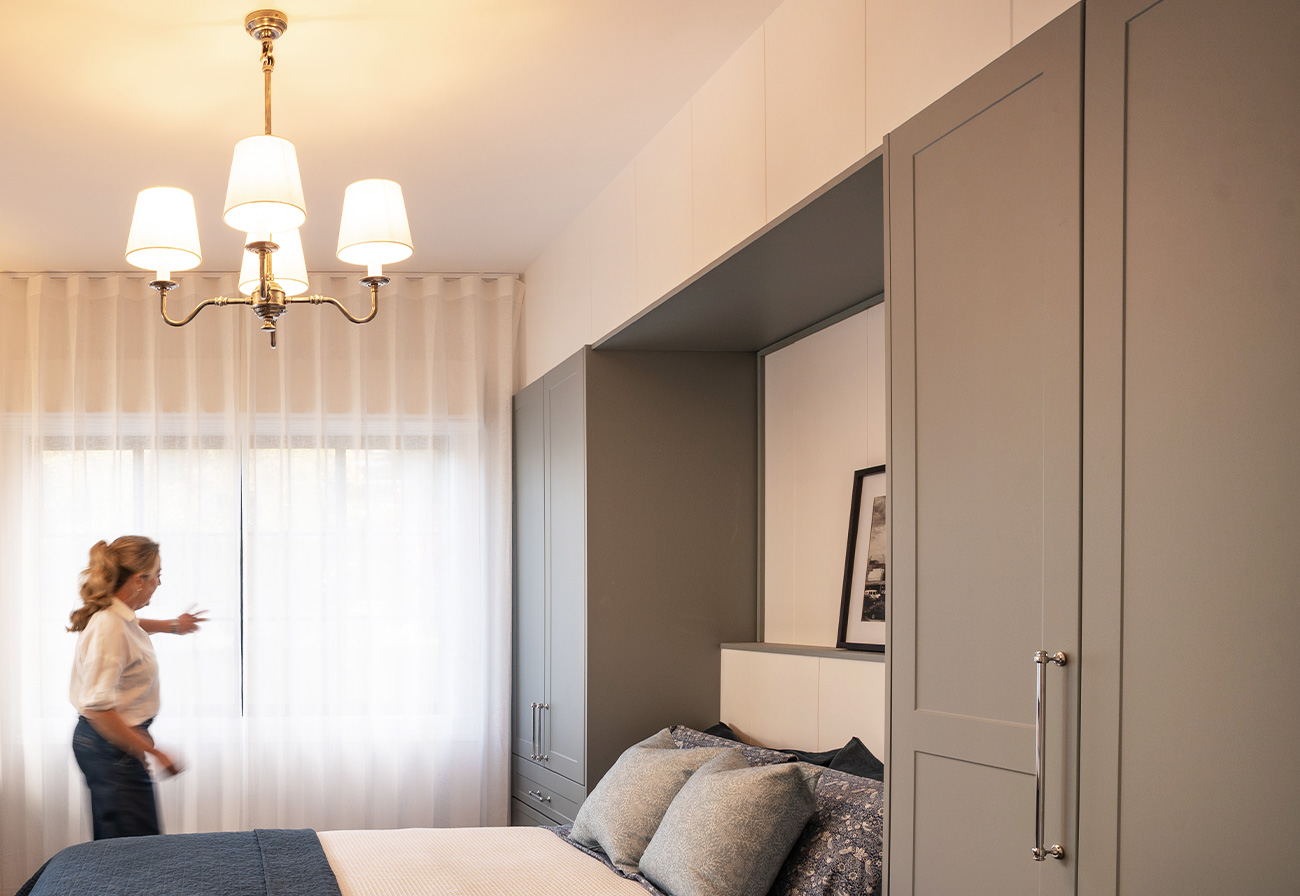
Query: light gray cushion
{"type": "Point", "coordinates": [730, 828]}
{"type": "Point", "coordinates": [621, 814]}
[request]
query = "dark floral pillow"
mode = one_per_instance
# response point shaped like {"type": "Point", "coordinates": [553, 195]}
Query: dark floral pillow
{"type": "Point", "coordinates": [839, 851]}
{"type": "Point", "coordinates": [688, 737]}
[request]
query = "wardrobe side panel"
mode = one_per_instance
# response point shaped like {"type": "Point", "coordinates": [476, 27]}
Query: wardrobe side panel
{"type": "Point", "coordinates": [672, 540]}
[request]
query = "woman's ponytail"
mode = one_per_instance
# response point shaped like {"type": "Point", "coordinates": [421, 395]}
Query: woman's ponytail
{"type": "Point", "coordinates": [110, 566]}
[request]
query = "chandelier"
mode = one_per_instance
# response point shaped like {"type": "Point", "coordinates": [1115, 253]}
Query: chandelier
{"type": "Point", "coordinates": [264, 200]}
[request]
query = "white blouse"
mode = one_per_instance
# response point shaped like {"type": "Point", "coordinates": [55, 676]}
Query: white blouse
{"type": "Point", "coordinates": [115, 666]}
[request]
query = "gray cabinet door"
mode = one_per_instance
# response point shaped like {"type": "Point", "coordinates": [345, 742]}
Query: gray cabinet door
{"type": "Point", "coordinates": [529, 683]}
{"type": "Point", "coordinates": [549, 715]}
{"type": "Point", "coordinates": [985, 315]}
{"type": "Point", "coordinates": [1192, 510]}
{"type": "Point", "coordinates": [565, 728]}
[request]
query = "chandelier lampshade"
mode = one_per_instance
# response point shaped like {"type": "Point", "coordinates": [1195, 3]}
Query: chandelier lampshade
{"type": "Point", "coordinates": [374, 230]}
{"type": "Point", "coordinates": [289, 264]}
{"type": "Point", "coordinates": [164, 233]}
{"type": "Point", "coordinates": [265, 191]}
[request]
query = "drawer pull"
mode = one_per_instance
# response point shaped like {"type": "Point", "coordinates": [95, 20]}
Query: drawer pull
{"type": "Point", "coordinates": [539, 796]}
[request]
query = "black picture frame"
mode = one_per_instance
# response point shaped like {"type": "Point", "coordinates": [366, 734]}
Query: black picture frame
{"type": "Point", "coordinates": [863, 602]}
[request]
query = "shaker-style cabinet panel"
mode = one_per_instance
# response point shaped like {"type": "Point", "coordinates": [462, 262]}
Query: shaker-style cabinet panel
{"type": "Point", "coordinates": [1094, 304]}
{"type": "Point", "coordinates": [550, 585]}
{"type": "Point", "coordinates": [1191, 601]}
{"type": "Point", "coordinates": [984, 307]}
{"type": "Point", "coordinates": [635, 558]}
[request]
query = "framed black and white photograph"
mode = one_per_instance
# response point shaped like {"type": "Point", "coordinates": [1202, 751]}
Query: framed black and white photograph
{"type": "Point", "coordinates": [862, 605]}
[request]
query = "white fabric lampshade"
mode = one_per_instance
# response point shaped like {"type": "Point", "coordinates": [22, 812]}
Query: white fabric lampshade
{"type": "Point", "coordinates": [374, 230]}
{"type": "Point", "coordinates": [265, 190]}
{"type": "Point", "coordinates": [288, 266]}
{"type": "Point", "coordinates": [164, 232]}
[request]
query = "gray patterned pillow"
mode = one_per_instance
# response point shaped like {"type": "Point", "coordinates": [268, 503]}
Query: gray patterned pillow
{"type": "Point", "coordinates": [839, 852]}
{"type": "Point", "coordinates": [730, 828]}
{"type": "Point", "coordinates": [690, 738]}
{"type": "Point", "coordinates": [621, 814]}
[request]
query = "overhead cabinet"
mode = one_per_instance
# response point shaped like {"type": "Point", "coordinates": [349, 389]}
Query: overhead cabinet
{"type": "Point", "coordinates": [635, 558]}
{"type": "Point", "coordinates": [1094, 322]}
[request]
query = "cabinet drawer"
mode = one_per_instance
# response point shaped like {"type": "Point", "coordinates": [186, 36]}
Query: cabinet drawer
{"type": "Point", "coordinates": [524, 815]}
{"type": "Point", "coordinates": [546, 792]}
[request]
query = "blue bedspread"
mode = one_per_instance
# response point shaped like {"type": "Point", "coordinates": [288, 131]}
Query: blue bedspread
{"type": "Point", "coordinates": [240, 863]}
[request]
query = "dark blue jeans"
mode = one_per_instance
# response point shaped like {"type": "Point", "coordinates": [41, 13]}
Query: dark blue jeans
{"type": "Point", "coordinates": [121, 792]}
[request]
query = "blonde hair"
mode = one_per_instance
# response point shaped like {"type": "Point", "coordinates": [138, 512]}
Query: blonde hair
{"type": "Point", "coordinates": [110, 566]}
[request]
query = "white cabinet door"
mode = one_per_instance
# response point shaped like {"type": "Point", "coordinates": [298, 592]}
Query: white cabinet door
{"type": "Point", "coordinates": [985, 319]}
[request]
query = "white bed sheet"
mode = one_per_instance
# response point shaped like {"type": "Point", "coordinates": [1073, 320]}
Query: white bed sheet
{"type": "Point", "coordinates": [514, 861]}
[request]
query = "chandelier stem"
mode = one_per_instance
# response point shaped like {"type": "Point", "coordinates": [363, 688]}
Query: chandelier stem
{"type": "Point", "coordinates": [268, 66]}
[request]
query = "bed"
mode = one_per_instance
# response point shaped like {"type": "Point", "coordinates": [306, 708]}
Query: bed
{"type": "Point", "coordinates": [683, 813]}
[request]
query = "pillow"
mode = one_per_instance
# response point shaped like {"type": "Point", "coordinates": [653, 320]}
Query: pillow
{"type": "Point", "coordinates": [621, 813]}
{"type": "Point", "coordinates": [855, 759]}
{"type": "Point", "coordinates": [839, 852]}
{"type": "Point", "coordinates": [823, 758]}
{"type": "Point", "coordinates": [722, 729]}
{"type": "Point", "coordinates": [690, 738]}
{"type": "Point", "coordinates": [730, 828]}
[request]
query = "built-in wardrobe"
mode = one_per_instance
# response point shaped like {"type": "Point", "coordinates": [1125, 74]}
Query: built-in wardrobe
{"type": "Point", "coordinates": [635, 540]}
{"type": "Point", "coordinates": [637, 495]}
{"type": "Point", "coordinates": [1094, 327]}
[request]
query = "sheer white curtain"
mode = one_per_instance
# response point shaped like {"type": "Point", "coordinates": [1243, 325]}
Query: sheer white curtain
{"type": "Point", "coordinates": [341, 507]}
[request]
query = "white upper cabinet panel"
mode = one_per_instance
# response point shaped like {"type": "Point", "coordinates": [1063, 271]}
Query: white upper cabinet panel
{"type": "Point", "coordinates": [819, 397]}
{"type": "Point", "coordinates": [815, 97]}
{"type": "Point", "coordinates": [919, 50]}
{"type": "Point", "coordinates": [557, 300]}
{"type": "Point", "coordinates": [663, 211]}
{"type": "Point", "coordinates": [613, 255]}
{"type": "Point", "coordinates": [728, 155]}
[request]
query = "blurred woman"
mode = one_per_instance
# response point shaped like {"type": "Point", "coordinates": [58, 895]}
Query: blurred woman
{"type": "Point", "coordinates": [115, 685]}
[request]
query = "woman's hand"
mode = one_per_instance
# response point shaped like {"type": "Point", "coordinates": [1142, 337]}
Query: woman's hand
{"type": "Point", "coordinates": [184, 624]}
{"type": "Point", "coordinates": [165, 762]}
{"type": "Point", "coordinates": [138, 742]}
{"type": "Point", "coordinates": [189, 622]}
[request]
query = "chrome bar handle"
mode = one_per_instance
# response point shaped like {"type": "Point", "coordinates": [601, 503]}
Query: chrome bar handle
{"type": "Point", "coordinates": [541, 727]}
{"type": "Point", "coordinates": [533, 755]}
{"type": "Point", "coordinates": [539, 796]}
{"type": "Point", "coordinates": [1041, 851]}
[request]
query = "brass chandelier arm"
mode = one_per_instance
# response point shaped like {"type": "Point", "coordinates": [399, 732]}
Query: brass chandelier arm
{"type": "Point", "coordinates": [373, 282]}
{"type": "Point", "coordinates": [164, 285]}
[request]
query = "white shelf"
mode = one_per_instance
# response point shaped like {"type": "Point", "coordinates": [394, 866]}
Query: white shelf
{"type": "Point", "coordinates": [834, 653]}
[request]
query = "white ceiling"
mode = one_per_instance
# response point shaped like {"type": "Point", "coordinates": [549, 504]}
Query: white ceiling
{"type": "Point", "coordinates": [501, 119]}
